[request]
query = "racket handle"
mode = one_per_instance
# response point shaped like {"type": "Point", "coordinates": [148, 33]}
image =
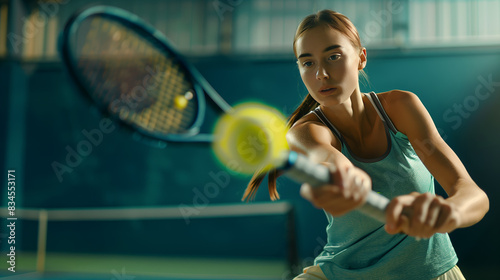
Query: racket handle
{"type": "Point", "coordinates": [298, 168]}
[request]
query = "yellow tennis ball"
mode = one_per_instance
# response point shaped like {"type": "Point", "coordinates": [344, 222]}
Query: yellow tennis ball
{"type": "Point", "coordinates": [251, 142]}
{"type": "Point", "coordinates": [180, 102]}
{"type": "Point", "coordinates": [249, 138]}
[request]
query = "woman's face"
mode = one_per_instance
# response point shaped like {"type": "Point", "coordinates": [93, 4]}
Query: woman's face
{"type": "Point", "coordinates": [328, 64]}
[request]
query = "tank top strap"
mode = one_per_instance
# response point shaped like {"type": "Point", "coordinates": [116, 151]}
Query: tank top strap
{"type": "Point", "coordinates": [372, 96]}
{"type": "Point", "coordinates": [326, 122]}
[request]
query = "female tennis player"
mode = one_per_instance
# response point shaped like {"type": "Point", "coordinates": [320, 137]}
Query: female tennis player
{"type": "Point", "coordinates": [386, 142]}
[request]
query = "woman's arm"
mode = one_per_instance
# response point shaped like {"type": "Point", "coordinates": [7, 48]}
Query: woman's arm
{"type": "Point", "coordinates": [466, 203]}
{"type": "Point", "coordinates": [351, 184]}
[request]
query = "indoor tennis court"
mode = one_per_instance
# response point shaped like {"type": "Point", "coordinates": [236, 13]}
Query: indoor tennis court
{"type": "Point", "coordinates": [85, 197]}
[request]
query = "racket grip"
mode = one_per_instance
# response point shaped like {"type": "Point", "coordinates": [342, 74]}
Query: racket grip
{"type": "Point", "coordinates": [298, 168]}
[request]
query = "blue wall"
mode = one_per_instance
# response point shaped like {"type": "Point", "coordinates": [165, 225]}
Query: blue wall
{"type": "Point", "coordinates": [120, 172]}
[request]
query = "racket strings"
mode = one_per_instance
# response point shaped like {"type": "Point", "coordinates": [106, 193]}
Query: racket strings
{"type": "Point", "coordinates": [135, 79]}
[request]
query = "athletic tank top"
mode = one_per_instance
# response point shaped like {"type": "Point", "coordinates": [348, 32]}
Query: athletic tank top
{"type": "Point", "coordinates": [358, 247]}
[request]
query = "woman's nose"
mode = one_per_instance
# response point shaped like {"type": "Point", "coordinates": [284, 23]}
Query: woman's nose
{"type": "Point", "coordinates": [322, 73]}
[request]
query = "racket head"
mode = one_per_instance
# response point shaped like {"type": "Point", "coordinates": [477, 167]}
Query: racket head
{"type": "Point", "coordinates": [133, 75]}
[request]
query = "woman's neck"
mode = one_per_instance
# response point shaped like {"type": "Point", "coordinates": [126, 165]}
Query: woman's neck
{"type": "Point", "coordinates": [350, 117]}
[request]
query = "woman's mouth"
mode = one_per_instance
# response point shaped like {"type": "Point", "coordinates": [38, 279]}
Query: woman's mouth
{"type": "Point", "coordinates": [327, 90]}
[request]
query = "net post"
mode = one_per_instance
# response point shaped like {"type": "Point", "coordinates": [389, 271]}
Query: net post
{"type": "Point", "coordinates": [42, 240]}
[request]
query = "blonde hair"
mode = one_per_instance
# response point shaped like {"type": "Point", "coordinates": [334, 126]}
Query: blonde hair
{"type": "Point", "coordinates": [336, 21]}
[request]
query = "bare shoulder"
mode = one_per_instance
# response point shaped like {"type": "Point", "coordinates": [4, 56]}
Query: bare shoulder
{"type": "Point", "coordinates": [305, 125]}
{"type": "Point", "coordinates": [309, 131]}
{"type": "Point", "coordinates": [405, 109]}
{"type": "Point", "coordinates": [395, 99]}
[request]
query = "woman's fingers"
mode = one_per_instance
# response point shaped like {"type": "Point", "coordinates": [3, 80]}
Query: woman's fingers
{"type": "Point", "coordinates": [420, 215]}
{"type": "Point", "coordinates": [348, 191]}
{"type": "Point", "coordinates": [393, 214]}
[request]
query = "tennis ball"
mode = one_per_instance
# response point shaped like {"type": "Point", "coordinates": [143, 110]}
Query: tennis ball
{"type": "Point", "coordinates": [250, 137]}
{"type": "Point", "coordinates": [180, 102]}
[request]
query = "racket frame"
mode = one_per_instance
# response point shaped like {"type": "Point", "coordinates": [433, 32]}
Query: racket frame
{"type": "Point", "coordinates": [200, 84]}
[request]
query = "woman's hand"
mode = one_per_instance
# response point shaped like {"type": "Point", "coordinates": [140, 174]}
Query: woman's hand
{"type": "Point", "coordinates": [421, 215]}
{"type": "Point", "coordinates": [349, 190]}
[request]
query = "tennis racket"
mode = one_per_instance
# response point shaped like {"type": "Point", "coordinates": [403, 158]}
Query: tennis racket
{"type": "Point", "coordinates": [131, 72]}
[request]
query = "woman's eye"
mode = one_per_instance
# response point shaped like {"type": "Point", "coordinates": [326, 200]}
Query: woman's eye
{"type": "Point", "coordinates": [334, 57]}
{"type": "Point", "coordinates": [307, 63]}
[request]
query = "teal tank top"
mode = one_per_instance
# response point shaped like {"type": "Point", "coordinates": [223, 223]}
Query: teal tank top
{"type": "Point", "coordinates": [358, 247]}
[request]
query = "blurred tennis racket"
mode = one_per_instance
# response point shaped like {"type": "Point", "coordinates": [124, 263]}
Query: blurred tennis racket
{"type": "Point", "coordinates": [134, 76]}
{"type": "Point", "coordinates": [132, 73]}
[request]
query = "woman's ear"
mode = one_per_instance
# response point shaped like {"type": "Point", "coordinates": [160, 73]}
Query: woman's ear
{"type": "Point", "coordinates": [362, 59]}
